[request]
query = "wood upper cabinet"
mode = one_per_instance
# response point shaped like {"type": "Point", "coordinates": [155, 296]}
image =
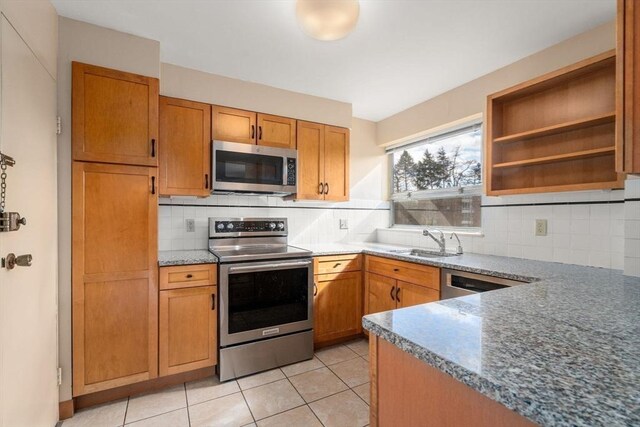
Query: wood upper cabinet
{"type": "Point", "coordinates": [185, 148]}
{"type": "Point", "coordinates": [337, 306]}
{"type": "Point", "coordinates": [628, 87]}
{"type": "Point", "coordinates": [188, 329]}
{"type": "Point", "coordinates": [323, 162]}
{"type": "Point", "coordinates": [114, 276]}
{"type": "Point", "coordinates": [115, 116]}
{"type": "Point", "coordinates": [276, 131]}
{"type": "Point", "coordinates": [336, 163]}
{"type": "Point", "coordinates": [233, 125]}
{"type": "Point", "coordinates": [391, 284]}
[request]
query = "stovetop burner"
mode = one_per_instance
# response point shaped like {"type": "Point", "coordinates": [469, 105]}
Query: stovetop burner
{"type": "Point", "coordinates": [250, 239]}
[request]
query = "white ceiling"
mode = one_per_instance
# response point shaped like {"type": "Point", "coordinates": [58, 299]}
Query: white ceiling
{"type": "Point", "coordinates": [402, 52]}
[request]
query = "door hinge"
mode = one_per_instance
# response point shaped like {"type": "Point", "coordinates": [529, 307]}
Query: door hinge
{"type": "Point", "coordinates": [59, 376]}
{"type": "Point", "coordinates": [58, 125]}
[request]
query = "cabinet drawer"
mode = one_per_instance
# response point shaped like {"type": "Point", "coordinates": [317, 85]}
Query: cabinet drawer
{"type": "Point", "coordinates": [337, 264]}
{"type": "Point", "coordinates": [188, 276]}
{"type": "Point", "coordinates": [423, 275]}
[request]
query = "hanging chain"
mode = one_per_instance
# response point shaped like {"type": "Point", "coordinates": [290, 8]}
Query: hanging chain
{"type": "Point", "coordinates": [3, 183]}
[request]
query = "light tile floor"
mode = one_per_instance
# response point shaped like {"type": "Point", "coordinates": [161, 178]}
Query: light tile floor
{"type": "Point", "coordinates": [332, 389]}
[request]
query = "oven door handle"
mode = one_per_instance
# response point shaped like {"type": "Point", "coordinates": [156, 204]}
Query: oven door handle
{"type": "Point", "coordinates": [269, 266]}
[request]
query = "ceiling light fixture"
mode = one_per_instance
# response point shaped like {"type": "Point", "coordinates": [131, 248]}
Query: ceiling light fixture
{"type": "Point", "coordinates": [328, 20]}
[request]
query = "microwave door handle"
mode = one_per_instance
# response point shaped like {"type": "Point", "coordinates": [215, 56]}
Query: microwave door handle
{"type": "Point", "coordinates": [269, 266]}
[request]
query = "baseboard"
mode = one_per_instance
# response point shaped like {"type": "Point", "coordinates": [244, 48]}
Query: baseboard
{"type": "Point", "coordinates": [99, 397]}
{"type": "Point", "coordinates": [319, 345]}
{"type": "Point", "coordinates": [65, 409]}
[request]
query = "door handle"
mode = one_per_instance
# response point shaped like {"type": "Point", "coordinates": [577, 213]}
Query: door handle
{"type": "Point", "coordinates": [153, 148]}
{"type": "Point", "coordinates": [326, 188]}
{"type": "Point", "coordinates": [213, 301]}
{"type": "Point", "coordinates": [260, 132]}
{"type": "Point", "coordinates": [253, 131]}
{"type": "Point", "coordinates": [153, 185]}
{"type": "Point", "coordinates": [391, 293]}
{"type": "Point", "coordinates": [206, 180]}
{"type": "Point", "coordinates": [264, 267]}
{"type": "Point", "coordinates": [12, 260]}
{"type": "Point", "coordinates": [320, 187]}
{"type": "Point", "coordinates": [315, 289]}
{"type": "Point", "coordinates": [398, 294]}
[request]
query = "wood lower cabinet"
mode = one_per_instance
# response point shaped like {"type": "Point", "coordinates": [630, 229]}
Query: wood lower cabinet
{"type": "Point", "coordinates": [188, 318]}
{"type": "Point", "coordinates": [276, 131]}
{"type": "Point", "coordinates": [323, 162]}
{"type": "Point", "coordinates": [337, 301]}
{"type": "Point", "coordinates": [115, 116]}
{"type": "Point", "coordinates": [185, 148]}
{"type": "Point", "coordinates": [114, 270]}
{"type": "Point", "coordinates": [628, 87]}
{"type": "Point", "coordinates": [391, 284]}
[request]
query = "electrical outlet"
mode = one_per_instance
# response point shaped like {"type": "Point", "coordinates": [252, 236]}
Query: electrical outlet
{"type": "Point", "coordinates": [343, 224]}
{"type": "Point", "coordinates": [541, 227]}
{"type": "Point", "coordinates": [191, 225]}
{"type": "Point", "coordinates": [59, 376]}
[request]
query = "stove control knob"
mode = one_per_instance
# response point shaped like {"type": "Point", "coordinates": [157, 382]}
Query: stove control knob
{"type": "Point", "coordinates": [281, 226]}
{"type": "Point", "coordinates": [272, 226]}
{"type": "Point", "coordinates": [220, 226]}
{"type": "Point", "coordinates": [230, 226]}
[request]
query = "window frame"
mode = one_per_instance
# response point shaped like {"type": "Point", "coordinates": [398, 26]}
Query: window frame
{"type": "Point", "coordinates": [437, 193]}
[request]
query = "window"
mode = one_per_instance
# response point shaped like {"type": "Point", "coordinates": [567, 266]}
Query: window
{"type": "Point", "coordinates": [437, 181]}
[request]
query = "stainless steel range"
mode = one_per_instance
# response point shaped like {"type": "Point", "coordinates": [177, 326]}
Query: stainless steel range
{"type": "Point", "coordinates": [266, 295]}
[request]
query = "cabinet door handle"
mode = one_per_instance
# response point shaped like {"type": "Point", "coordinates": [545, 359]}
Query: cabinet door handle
{"type": "Point", "coordinates": [153, 148]}
{"type": "Point", "coordinates": [396, 269]}
{"type": "Point", "coordinates": [326, 188]}
{"type": "Point", "coordinates": [391, 293]}
{"type": "Point", "coordinates": [213, 301]}
{"type": "Point", "coordinates": [153, 185]}
{"type": "Point", "coordinates": [253, 131]}
{"type": "Point", "coordinates": [260, 132]}
{"type": "Point", "coordinates": [315, 289]}
{"type": "Point", "coordinates": [320, 187]}
{"type": "Point", "coordinates": [398, 294]}
{"type": "Point", "coordinates": [206, 180]}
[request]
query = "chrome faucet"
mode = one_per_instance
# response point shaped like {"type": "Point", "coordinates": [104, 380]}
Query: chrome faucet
{"type": "Point", "coordinates": [459, 250]}
{"type": "Point", "coordinates": [439, 240]}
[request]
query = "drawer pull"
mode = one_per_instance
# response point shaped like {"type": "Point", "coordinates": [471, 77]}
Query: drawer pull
{"type": "Point", "coordinates": [189, 276]}
{"type": "Point", "coordinates": [396, 269]}
{"type": "Point", "coordinates": [337, 265]}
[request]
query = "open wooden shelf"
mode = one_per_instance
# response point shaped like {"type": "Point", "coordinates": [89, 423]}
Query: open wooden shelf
{"type": "Point", "coordinates": [559, 128]}
{"type": "Point", "coordinates": [558, 157]}
{"type": "Point", "coordinates": [556, 132]}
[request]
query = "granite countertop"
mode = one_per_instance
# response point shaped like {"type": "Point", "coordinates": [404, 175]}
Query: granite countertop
{"type": "Point", "coordinates": [563, 350]}
{"type": "Point", "coordinates": [202, 256]}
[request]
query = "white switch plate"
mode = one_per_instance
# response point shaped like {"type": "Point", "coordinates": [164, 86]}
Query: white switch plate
{"type": "Point", "coordinates": [190, 224]}
{"type": "Point", "coordinates": [541, 227]}
{"type": "Point", "coordinates": [343, 224]}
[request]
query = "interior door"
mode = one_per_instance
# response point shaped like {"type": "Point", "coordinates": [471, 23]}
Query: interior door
{"type": "Point", "coordinates": [381, 293]}
{"type": "Point", "coordinates": [28, 295]}
{"type": "Point", "coordinates": [310, 161]}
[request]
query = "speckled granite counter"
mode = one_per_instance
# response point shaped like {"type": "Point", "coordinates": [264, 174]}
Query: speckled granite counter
{"type": "Point", "coordinates": [561, 351]}
{"type": "Point", "coordinates": [203, 256]}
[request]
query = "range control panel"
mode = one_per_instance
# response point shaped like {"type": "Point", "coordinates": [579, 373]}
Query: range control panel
{"type": "Point", "coordinates": [260, 226]}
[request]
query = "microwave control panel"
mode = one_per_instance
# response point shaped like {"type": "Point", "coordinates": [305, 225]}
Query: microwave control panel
{"type": "Point", "coordinates": [291, 171]}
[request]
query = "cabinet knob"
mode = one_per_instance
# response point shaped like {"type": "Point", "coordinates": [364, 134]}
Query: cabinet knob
{"type": "Point", "coordinates": [189, 276]}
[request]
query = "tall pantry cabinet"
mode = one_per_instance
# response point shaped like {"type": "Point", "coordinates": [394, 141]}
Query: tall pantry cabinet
{"type": "Point", "coordinates": [114, 228]}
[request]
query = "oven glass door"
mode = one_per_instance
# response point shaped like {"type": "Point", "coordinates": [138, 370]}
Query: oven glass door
{"type": "Point", "coordinates": [249, 168]}
{"type": "Point", "coordinates": [260, 300]}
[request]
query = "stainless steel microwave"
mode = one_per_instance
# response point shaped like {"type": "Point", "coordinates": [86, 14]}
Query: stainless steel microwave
{"type": "Point", "coordinates": [256, 169]}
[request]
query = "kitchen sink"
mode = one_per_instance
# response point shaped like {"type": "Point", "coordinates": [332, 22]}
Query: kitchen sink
{"type": "Point", "coordinates": [421, 253]}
